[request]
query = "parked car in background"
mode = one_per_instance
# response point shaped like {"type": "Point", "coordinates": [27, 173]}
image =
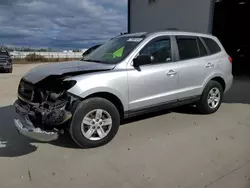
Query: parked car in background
{"type": "Point", "coordinates": [129, 75]}
{"type": "Point", "coordinates": [5, 61]}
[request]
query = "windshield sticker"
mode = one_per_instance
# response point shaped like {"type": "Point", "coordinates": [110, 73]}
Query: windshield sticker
{"type": "Point", "coordinates": [118, 53]}
{"type": "Point", "coordinates": [135, 39]}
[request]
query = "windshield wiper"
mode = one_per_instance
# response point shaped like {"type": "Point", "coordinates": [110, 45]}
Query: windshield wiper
{"type": "Point", "coordinates": [91, 60]}
{"type": "Point", "coordinates": [96, 61]}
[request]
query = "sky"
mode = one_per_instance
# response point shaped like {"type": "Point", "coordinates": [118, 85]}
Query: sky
{"type": "Point", "coordinates": [63, 24]}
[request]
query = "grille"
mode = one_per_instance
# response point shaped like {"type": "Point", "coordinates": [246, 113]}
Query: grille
{"type": "Point", "coordinates": [2, 60]}
{"type": "Point", "coordinates": [26, 91]}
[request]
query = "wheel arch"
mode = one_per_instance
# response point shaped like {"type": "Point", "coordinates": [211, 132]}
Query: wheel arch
{"type": "Point", "coordinates": [221, 81]}
{"type": "Point", "coordinates": [110, 97]}
{"type": "Point", "coordinates": [216, 77]}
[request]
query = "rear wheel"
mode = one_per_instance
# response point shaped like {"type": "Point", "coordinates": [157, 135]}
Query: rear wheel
{"type": "Point", "coordinates": [211, 98]}
{"type": "Point", "coordinates": [95, 123]}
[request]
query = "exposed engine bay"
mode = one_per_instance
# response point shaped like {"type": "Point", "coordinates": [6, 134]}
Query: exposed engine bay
{"type": "Point", "coordinates": [46, 104]}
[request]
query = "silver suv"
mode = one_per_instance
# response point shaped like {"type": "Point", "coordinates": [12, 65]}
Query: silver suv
{"type": "Point", "coordinates": [129, 75]}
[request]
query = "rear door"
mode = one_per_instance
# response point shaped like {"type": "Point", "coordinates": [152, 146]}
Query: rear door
{"type": "Point", "coordinates": [191, 65]}
{"type": "Point", "coordinates": [215, 58]}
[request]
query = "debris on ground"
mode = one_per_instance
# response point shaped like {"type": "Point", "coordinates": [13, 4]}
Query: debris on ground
{"type": "Point", "coordinates": [54, 174]}
{"type": "Point", "coordinates": [29, 174]}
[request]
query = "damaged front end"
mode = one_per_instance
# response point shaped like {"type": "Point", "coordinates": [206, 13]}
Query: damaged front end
{"type": "Point", "coordinates": [45, 108]}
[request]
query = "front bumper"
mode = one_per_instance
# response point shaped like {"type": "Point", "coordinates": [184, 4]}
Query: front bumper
{"type": "Point", "coordinates": [26, 128]}
{"type": "Point", "coordinates": [5, 66]}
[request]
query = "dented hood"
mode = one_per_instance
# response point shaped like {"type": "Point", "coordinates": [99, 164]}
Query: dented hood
{"type": "Point", "coordinates": [39, 73]}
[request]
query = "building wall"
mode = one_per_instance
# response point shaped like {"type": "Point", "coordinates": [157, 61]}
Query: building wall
{"type": "Point", "coordinates": [188, 15]}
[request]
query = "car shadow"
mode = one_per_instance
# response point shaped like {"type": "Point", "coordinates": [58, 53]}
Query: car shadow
{"type": "Point", "coordinates": [144, 117]}
{"type": "Point", "coordinates": [12, 144]}
{"type": "Point", "coordinates": [239, 93]}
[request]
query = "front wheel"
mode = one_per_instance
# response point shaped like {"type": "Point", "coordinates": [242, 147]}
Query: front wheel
{"type": "Point", "coordinates": [95, 123]}
{"type": "Point", "coordinates": [211, 98]}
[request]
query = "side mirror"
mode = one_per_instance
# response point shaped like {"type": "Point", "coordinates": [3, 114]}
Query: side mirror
{"type": "Point", "coordinates": [143, 60]}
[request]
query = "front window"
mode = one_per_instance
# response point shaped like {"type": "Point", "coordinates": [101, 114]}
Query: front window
{"type": "Point", "coordinates": [160, 50]}
{"type": "Point", "coordinates": [115, 50]}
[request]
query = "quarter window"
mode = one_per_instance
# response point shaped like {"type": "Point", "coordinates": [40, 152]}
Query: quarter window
{"type": "Point", "coordinates": [160, 50]}
{"type": "Point", "coordinates": [188, 47]}
{"type": "Point", "coordinates": [203, 51]}
{"type": "Point", "coordinates": [212, 45]}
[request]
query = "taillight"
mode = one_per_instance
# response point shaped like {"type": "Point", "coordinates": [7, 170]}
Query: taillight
{"type": "Point", "coordinates": [230, 59]}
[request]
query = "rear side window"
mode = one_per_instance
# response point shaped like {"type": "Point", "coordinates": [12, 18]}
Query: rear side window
{"type": "Point", "coordinates": [212, 45]}
{"type": "Point", "coordinates": [188, 47]}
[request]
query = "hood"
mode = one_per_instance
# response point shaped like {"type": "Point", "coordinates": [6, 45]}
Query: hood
{"type": "Point", "coordinates": [41, 72]}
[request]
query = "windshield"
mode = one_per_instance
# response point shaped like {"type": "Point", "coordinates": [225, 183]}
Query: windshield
{"type": "Point", "coordinates": [114, 51]}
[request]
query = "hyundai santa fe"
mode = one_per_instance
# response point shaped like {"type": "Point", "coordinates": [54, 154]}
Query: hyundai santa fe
{"type": "Point", "coordinates": [129, 75]}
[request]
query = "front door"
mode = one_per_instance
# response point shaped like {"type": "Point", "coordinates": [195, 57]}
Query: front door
{"type": "Point", "coordinates": [155, 83]}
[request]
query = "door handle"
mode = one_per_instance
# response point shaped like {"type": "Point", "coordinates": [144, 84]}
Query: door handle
{"type": "Point", "coordinates": [171, 73]}
{"type": "Point", "coordinates": [210, 65]}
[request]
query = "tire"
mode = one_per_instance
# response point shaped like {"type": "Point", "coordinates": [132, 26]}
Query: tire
{"type": "Point", "coordinates": [203, 106]}
{"type": "Point", "coordinates": [87, 107]}
{"type": "Point", "coordinates": [9, 70]}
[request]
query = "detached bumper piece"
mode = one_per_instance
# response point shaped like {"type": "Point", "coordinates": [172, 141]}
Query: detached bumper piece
{"type": "Point", "coordinates": [26, 127]}
{"type": "Point", "coordinates": [30, 131]}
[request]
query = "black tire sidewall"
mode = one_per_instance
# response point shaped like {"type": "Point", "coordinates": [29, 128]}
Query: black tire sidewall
{"type": "Point", "coordinates": [82, 110]}
{"type": "Point", "coordinates": [202, 105]}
